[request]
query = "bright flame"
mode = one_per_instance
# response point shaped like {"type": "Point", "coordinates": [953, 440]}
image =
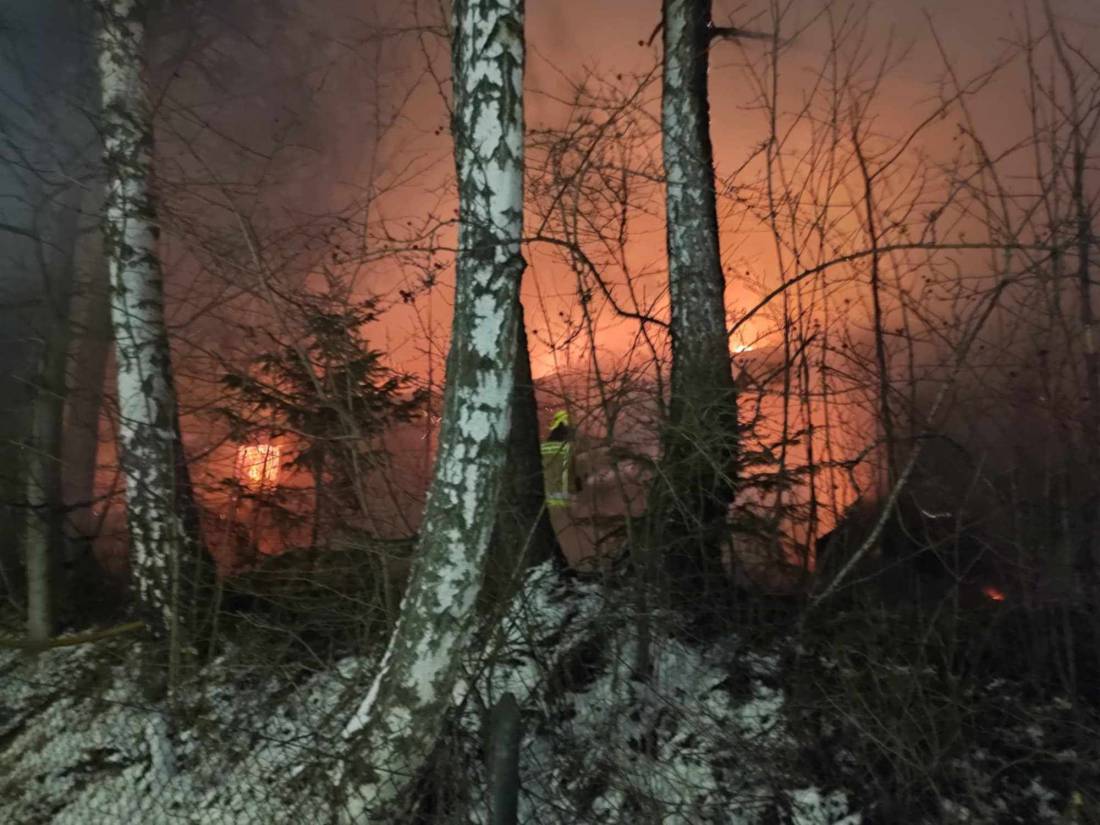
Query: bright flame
{"type": "Point", "coordinates": [258, 466]}
{"type": "Point", "coordinates": [993, 594]}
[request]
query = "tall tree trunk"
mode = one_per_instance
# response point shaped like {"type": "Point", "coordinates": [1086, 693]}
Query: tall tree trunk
{"type": "Point", "coordinates": [523, 535]}
{"type": "Point", "coordinates": [166, 559]}
{"type": "Point", "coordinates": [89, 353]}
{"type": "Point", "coordinates": [85, 587]}
{"type": "Point", "coordinates": [44, 535]}
{"type": "Point", "coordinates": [395, 728]}
{"type": "Point", "coordinates": [58, 222]}
{"type": "Point", "coordinates": [695, 480]}
{"type": "Point", "coordinates": [1085, 561]}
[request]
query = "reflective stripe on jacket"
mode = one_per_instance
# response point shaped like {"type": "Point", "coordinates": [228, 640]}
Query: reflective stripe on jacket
{"type": "Point", "coordinates": [557, 472]}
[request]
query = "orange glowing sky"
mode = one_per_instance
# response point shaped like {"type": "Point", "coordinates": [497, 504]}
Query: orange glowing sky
{"type": "Point", "coordinates": [602, 41]}
{"type": "Point", "coordinates": [347, 157]}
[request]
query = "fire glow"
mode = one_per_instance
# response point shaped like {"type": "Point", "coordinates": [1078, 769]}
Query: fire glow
{"type": "Point", "coordinates": [258, 466]}
{"type": "Point", "coordinates": [993, 594]}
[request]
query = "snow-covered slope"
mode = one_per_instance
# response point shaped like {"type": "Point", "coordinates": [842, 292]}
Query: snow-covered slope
{"type": "Point", "coordinates": [711, 737]}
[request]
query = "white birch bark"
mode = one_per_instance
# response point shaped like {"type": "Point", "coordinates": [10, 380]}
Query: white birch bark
{"type": "Point", "coordinates": [395, 728]}
{"type": "Point", "coordinates": [163, 545]}
{"type": "Point", "coordinates": [695, 484]}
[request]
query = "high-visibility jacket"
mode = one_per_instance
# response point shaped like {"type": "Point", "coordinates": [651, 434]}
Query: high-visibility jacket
{"type": "Point", "coordinates": [557, 472]}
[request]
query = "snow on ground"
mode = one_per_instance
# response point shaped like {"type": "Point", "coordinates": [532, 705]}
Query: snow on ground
{"type": "Point", "coordinates": [709, 738]}
{"type": "Point", "coordinates": [82, 745]}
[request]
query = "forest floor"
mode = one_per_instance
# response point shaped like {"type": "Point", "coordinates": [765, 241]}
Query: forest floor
{"type": "Point", "coordinates": [766, 731]}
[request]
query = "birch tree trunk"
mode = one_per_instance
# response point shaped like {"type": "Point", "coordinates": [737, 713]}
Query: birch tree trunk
{"type": "Point", "coordinates": [694, 484]}
{"type": "Point", "coordinates": [396, 726]}
{"type": "Point", "coordinates": [166, 559]}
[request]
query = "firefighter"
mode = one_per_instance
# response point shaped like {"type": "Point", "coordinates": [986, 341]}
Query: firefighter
{"type": "Point", "coordinates": [558, 470]}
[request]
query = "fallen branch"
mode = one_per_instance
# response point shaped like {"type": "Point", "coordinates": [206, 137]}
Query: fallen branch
{"type": "Point", "coordinates": [12, 642]}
